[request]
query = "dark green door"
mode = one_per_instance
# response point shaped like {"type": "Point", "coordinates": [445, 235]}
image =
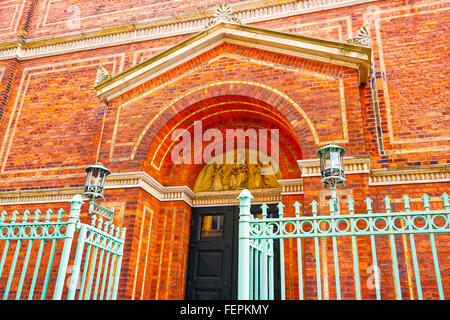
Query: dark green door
{"type": "Point", "coordinates": [212, 258]}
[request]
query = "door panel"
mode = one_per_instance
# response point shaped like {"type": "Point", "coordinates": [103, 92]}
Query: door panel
{"type": "Point", "coordinates": [210, 259]}
{"type": "Point", "coordinates": [213, 252]}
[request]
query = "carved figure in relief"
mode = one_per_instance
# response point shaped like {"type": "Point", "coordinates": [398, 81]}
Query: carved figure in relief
{"type": "Point", "coordinates": [223, 177]}
{"type": "Point", "coordinates": [255, 180]}
{"type": "Point", "coordinates": [217, 176]}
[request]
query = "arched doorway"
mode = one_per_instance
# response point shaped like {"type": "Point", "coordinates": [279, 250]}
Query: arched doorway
{"type": "Point", "coordinates": [220, 175]}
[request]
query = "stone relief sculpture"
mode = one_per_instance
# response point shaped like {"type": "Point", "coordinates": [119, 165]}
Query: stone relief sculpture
{"type": "Point", "coordinates": [223, 13]}
{"type": "Point", "coordinates": [102, 75]}
{"type": "Point", "coordinates": [223, 177]}
{"type": "Point", "coordinates": [362, 37]}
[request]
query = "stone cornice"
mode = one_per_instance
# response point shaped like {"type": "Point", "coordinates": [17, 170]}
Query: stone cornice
{"type": "Point", "coordinates": [383, 176]}
{"type": "Point", "coordinates": [223, 198]}
{"type": "Point", "coordinates": [150, 185]}
{"type": "Point", "coordinates": [38, 196]}
{"type": "Point", "coordinates": [310, 168]}
{"type": "Point", "coordinates": [352, 165]}
{"type": "Point", "coordinates": [408, 175]}
{"type": "Point", "coordinates": [161, 27]}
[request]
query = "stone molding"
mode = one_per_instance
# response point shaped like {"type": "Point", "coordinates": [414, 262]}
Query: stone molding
{"type": "Point", "coordinates": [291, 186]}
{"type": "Point", "coordinates": [309, 167]}
{"type": "Point", "coordinates": [162, 27]}
{"type": "Point", "coordinates": [150, 185]}
{"type": "Point", "coordinates": [409, 175]}
{"type": "Point", "coordinates": [383, 176]}
{"type": "Point", "coordinates": [328, 51]}
{"type": "Point", "coordinates": [224, 198]}
{"type": "Point", "coordinates": [352, 165]}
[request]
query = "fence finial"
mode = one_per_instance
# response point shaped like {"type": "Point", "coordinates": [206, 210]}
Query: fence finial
{"type": "Point", "coordinates": [426, 202]}
{"type": "Point", "coordinates": [60, 214]}
{"type": "Point", "coordinates": [75, 206]}
{"type": "Point", "coordinates": [297, 206]}
{"type": "Point", "coordinates": [14, 216]}
{"type": "Point", "coordinates": [314, 206]}
{"type": "Point", "coordinates": [36, 215]}
{"type": "Point", "coordinates": [93, 220]}
{"type": "Point", "coordinates": [264, 208]}
{"type": "Point", "coordinates": [444, 198]}
{"type": "Point", "coordinates": [368, 203]}
{"type": "Point", "coordinates": [2, 216]}
{"type": "Point", "coordinates": [106, 226]}
{"type": "Point", "coordinates": [405, 200]}
{"type": "Point", "coordinates": [351, 202]}
{"type": "Point", "coordinates": [280, 207]}
{"type": "Point", "coordinates": [245, 198]}
{"type": "Point", "coordinates": [99, 223]}
{"type": "Point", "coordinates": [124, 231]}
{"type": "Point", "coordinates": [387, 204]}
{"type": "Point", "coordinates": [332, 207]}
{"type": "Point", "coordinates": [48, 215]}
{"type": "Point", "coordinates": [26, 213]}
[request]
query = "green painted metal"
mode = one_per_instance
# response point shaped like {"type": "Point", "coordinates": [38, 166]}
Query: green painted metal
{"type": "Point", "coordinates": [85, 270]}
{"type": "Point", "coordinates": [74, 218]}
{"type": "Point", "coordinates": [314, 205]}
{"type": "Point", "coordinates": [351, 225]}
{"type": "Point", "coordinates": [335, 252]}
{"type": "Point", "coordinates": [108, 240]}
{"type": "Point", "coordinates": [101, 211]}
{"type": "Point", "coordinates": [244, 198]}
{"type": "Point", "coordinates": [270, 258]}
{"type": "Point", "coordinates": [375, 270]}
{"type": "Point", "coordinates": [426, 204]}
{"type": "Point", "coordinates": [280, 207]}
{"type": "Point", "coordinates": [297, 206]}
{"type": "Point", "coordinates": [38, 259]}
{"type": "Point", "coordinates": [387, 202]}
{"type": "Point", "coordinates": [264, 261]}
{"type": "Point", "coordinates": [25, 263]}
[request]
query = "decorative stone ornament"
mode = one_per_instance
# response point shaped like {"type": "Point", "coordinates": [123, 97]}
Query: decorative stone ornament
{"type": "Point", "coordinates": [223, 13]}
{"type": "Point", "coordinates": [102, 75]}
{"type": "Point", "coordinates": [362, 37]}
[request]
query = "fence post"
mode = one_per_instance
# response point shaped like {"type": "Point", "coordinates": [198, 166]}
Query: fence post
{"type": "Point", "coordinates": [245, 198]}
{"type": "Point", "coordinates": [74, 218]}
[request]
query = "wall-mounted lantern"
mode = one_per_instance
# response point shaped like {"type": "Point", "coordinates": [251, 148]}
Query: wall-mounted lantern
{"type": "Point", "coordinates": [332, 169]}
{"type": "Point", "coordinates": [94, 188]}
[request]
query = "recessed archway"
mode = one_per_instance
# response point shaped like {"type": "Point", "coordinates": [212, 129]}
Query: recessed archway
{"type": "Point", "coordinates": [221, 113]}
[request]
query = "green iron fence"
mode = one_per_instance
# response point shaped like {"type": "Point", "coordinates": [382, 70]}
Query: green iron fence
{"type": "Point", "coordinates": [256, 238]}
{"type": "Point", "coordinates": [46, 268]}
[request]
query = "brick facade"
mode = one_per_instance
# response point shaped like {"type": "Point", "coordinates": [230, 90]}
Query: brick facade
{"type": "Point", "coordinates": [53, 125]}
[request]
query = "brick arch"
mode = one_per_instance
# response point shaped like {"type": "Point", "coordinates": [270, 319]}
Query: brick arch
{"type": "Point", "coordinates": [232, 112]}
{"type": "Point", "coordinates": [291, 110]}
{"type": "Point", "coordinates": [186, 174]}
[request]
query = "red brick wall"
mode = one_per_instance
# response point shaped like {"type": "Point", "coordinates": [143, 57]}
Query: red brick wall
{"type": "Point", "coordinates": [52, 125]}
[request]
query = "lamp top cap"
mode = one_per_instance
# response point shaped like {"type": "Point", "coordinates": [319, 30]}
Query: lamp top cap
{"type": "Point", "coordinates": [99, 166]}
{"type": "Point", "coordinates": [330, 147]}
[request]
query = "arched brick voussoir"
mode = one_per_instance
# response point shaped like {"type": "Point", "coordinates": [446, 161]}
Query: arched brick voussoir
{"type": "Point", "coordinates": [290, 109]}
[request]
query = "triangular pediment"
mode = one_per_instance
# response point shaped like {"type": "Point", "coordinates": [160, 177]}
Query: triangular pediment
{"type": "Point", "coordinates": [328, 51]}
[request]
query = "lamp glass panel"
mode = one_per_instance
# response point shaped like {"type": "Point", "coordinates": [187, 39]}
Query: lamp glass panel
{"type": "Point", "coordinates": [93, 181]}
{"type": "Point", "coordinates": [326, 158]}
{"type": "Point", "coordinates": [88, 178]}
{"type": "Point", "coordinates": [334, 159]}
